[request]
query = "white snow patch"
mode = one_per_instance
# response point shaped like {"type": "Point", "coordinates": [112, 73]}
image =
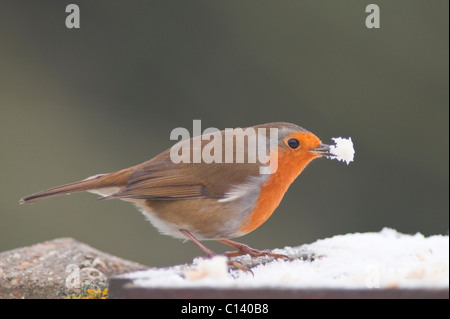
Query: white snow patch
{"type": "Point", "coordinates": [215, 268]}
{"type": "Point", "coordinates": [343, 149]}
{"type": "Point", "coordinates": [387, 259]}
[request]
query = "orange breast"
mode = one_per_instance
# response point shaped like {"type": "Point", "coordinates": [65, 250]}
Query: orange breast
{"type": "Point", "coordinates": [290, 165]}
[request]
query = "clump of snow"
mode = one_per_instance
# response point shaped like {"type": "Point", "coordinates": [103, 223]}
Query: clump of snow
{"type": "Point", "coordinates": [342, 150]}
{"type": "Point", "coordinates": [215, 268]}
{"type": "Point", "coordinates": [386, 259]}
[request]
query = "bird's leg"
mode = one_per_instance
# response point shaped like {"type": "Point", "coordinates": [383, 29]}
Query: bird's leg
{"type": "Point", "coordinates": [246, 250]}
{"type": "Point", "coordinates": [205, 249]}
{"type": "Point", "coordinates": [210, 253]}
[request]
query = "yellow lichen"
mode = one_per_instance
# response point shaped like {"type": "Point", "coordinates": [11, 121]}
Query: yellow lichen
{"type": "Point", "coordinates": [91, 294]}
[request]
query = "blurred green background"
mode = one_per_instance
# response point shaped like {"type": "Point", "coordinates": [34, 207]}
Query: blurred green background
{"type": "Point", "coordinates": [75, 103]}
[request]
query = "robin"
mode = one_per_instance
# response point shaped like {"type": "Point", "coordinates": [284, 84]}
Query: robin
{"type": "Point", "coordinates": [209, 201]}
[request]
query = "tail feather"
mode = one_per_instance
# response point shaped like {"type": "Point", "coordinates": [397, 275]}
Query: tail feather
{"type": "Point", "coordinates": [92, 184]}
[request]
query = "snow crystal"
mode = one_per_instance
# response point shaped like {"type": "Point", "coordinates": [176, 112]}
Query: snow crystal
{"type": "Point", "coordinates": [342, 150]}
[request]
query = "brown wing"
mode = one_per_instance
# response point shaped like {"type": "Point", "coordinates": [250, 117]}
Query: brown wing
{"type": "Point", "coordinates": [161, 179]}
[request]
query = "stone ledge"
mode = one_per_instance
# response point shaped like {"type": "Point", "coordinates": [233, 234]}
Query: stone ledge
{"type": "Point", "coordinates": [57, 269]}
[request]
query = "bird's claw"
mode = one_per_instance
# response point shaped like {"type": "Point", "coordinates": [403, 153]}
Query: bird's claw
{"type": "Point", "coordinates": [239, 265]}
{"type": "Point", "coordinates": [254, 253]}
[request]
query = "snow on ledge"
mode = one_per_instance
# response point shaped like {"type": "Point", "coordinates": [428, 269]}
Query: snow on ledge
{"type": "Point", "coordinates": [387, 259]}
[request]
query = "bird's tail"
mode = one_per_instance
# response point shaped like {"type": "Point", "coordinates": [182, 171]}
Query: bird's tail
{"type": "Point", "coordinates": [99, 184]}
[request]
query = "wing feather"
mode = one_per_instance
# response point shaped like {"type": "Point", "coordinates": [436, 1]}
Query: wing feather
{"type": "Point", "coordinates": [164, 180]}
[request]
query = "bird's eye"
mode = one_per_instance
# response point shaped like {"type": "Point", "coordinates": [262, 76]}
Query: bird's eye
{"type": "Point", "coordinates": [293, 143]}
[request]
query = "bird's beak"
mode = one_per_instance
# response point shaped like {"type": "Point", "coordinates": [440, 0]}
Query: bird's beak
{"type": "Point", "coordinates": [322, 150]}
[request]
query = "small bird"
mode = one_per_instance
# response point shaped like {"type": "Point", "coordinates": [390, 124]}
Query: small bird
{"type": "Point", "coordinates": [209, 201]}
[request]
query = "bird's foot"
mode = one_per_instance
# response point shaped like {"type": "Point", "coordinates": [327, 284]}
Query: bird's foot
{"type": "Point", "coordinates": [243, 249]}
{"type": "Point", "coordinates": [210, 254]}
{"type": "Point", "coordinates": [238, 265]}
